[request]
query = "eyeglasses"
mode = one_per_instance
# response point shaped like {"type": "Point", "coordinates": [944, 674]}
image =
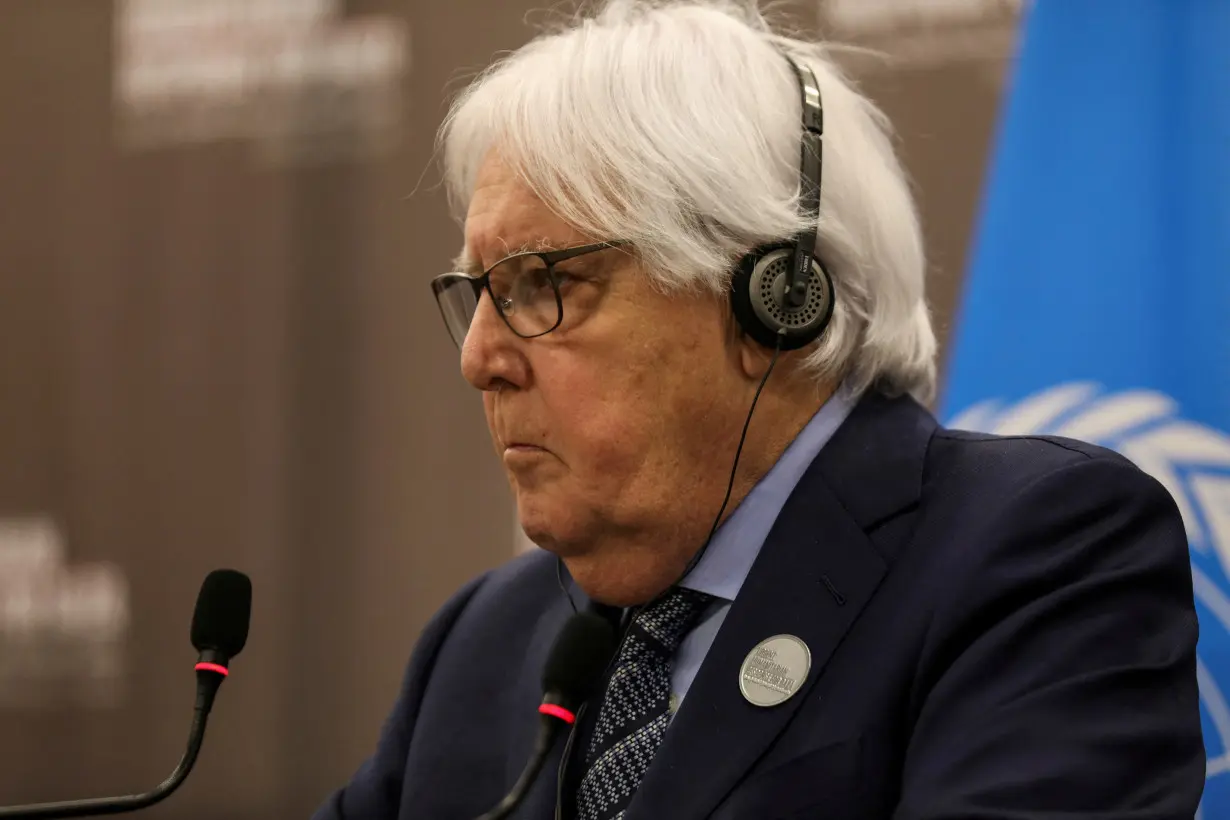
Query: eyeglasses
{"type": "Point", "coordinates": [524, 288]}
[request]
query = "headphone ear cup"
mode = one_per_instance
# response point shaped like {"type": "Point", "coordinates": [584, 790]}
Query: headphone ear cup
{"type": "Point", "coordinates": [758, 299]}
{"type": "Point", "coordinates": [741, 303]}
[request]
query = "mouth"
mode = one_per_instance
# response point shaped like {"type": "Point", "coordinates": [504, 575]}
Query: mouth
{"type": "Point", "coordinates": [521, 447]}
{"type": "Point", "coordinates": [520, 454]}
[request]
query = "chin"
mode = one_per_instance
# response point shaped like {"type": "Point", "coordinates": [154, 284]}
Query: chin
{"type": "Point", "coordinates": [551, 533]}
{"type": "Point", "coordinates": [554, 520]}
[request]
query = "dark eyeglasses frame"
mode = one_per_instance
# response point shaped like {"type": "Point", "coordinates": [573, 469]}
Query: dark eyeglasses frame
{"type": "Point", "coordinates": [444, 281]}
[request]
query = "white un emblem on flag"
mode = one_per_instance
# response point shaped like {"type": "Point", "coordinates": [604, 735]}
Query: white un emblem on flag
{"type": "Point", "coordinates": [1193, 462]}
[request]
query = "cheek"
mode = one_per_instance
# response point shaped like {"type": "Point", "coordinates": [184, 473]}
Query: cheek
{"type": "Point", "coordinates": [651, 410]}
{"type": "Point", "coordinates": [600, 418]}
{"type": "Point", "coordinates": [489, 412]}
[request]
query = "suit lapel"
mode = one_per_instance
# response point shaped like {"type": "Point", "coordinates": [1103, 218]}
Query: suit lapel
{"type": "Point", "coordinates": [815, 573]}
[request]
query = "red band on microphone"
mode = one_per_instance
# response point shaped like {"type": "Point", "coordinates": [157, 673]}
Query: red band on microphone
{"type": "Point", "coordinates": [557, 711]}
{"type": "Point", "coordinates": [213, 667]}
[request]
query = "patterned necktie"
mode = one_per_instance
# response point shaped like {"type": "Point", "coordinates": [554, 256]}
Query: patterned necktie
{"type": "Point", "coordinates": [636, 707]}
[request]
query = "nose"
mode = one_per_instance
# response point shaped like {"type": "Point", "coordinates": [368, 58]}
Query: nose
{"type": "Point", "coordinates": [490, 356]}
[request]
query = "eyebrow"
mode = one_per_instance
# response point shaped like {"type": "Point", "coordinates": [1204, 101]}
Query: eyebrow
{"type": "Point", "coordinates": [463, 263]}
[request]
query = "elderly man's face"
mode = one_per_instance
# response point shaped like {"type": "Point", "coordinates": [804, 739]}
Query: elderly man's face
{"type": "Point", "coordinates": [617, 430]}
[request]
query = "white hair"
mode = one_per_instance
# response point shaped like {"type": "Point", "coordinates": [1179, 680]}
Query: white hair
{"type": "Point", "coordinates": [677, 126]}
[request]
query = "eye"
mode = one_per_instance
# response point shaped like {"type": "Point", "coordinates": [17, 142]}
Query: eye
{"type": "Point", "coordinates": [573, 272]}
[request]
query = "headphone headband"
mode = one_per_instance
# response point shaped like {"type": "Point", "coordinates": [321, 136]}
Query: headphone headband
{"type": "Point", "coordinates": [809, 178]}
{"type": "Point", "coordinates": [782, 295]}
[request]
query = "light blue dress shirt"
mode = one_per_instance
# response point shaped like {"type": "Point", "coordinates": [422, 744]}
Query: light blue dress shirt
{"type": "Point", "coordinates": [735, 545]}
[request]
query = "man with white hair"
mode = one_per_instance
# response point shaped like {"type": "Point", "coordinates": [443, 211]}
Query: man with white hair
{"type": "Point", "coordinates": [688, 242]}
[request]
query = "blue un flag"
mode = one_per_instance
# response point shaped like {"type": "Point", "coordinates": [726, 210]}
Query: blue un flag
{"type": "Point", "coordinates": [1097, 303]}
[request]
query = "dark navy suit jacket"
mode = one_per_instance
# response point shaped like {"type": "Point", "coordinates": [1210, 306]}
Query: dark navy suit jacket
{"type": "Point", "coordinates": [1000, 629]}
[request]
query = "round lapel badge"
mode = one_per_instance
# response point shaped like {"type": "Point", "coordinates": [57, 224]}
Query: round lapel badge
{"type": "Point", "coordinates": [774, 670]}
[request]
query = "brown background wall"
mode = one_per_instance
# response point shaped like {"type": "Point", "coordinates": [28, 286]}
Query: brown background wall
{"type": "Point", "coordinates": [224, 353]}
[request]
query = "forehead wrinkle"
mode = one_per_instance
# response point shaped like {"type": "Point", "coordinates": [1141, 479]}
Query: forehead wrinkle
{"type": "Point", "coordinates": [509, 219]}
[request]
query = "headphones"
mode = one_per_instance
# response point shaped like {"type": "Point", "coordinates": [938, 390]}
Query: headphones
{"type": "Point", "coordinates": [781, 294]}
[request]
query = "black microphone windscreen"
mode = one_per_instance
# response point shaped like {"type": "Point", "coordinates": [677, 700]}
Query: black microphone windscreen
{"type": "Point", "coordinates": [579, 657]}
{"type": "Point", "coordinates": [223, 610]}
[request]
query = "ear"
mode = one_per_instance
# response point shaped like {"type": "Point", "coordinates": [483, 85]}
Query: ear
{"type": "Point", "coordinates": [754, 358]}
{"type": "Point", "coordinates": [751, 357]}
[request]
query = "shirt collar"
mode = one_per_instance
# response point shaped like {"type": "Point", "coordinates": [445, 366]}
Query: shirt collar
{"type": "Point", "coordinates": [726, 563]}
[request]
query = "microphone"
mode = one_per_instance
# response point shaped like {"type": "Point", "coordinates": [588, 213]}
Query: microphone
{"type": "Point", "coordinates": [573, 672]}
{"type": "Point", "coordinates": [219, 632]}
